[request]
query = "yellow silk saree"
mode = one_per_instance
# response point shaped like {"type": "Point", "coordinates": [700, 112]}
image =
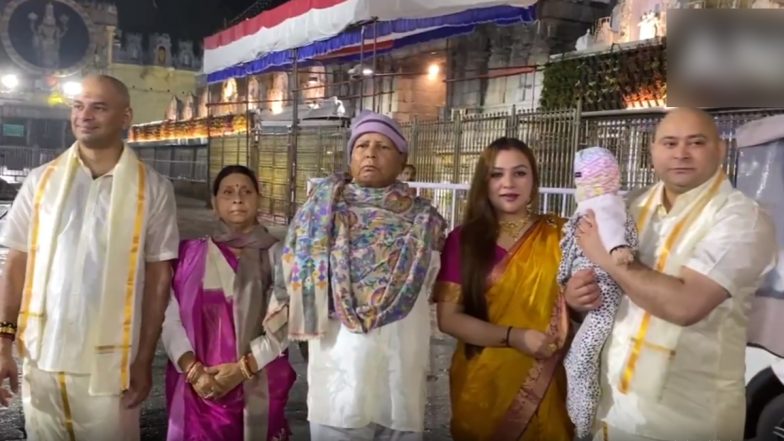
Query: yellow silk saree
{"type": "Point", "coordinates": [501, 393]}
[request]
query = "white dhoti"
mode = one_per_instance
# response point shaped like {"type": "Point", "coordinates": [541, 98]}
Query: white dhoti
{"type": "Point", "coordinates": [88, 241]}
{"type": "Point", "coordinates": [59, 407]}
{"type": "Point", "coordinates": [614, 434]}
{"type": "Point", "coordinates": [371, 432]}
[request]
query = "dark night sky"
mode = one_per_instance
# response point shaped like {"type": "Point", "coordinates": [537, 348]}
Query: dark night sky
{"type": "Point", "coordinates": [193, 19]}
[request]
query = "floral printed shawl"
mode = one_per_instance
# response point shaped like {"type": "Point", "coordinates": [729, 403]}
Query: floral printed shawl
{"type": "Point", "coordinates": [369, 249]}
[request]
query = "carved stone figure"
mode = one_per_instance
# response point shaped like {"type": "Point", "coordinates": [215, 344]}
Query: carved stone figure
{"type": "Point", "coordinates": [584, 42]}
{"type": "Point", "coordinates": [625, 21]}
{"type": "Point", "coordinates": [313, 84]}
{"type": "Point", "coordinates": [133, 47]}
{"type": "Point", "coordinates": [604, 34]}
{"type": "Point", "coordinates": [278, 92]}
{"type": "Point", "coordinates": [204, 99]}
{"type": "Point", "coordinates": [254, 93]}
{"type": "Point", "coordinates": [160, 46]}
{"type": "Point", "coordinates": [615, 17]}
{"type": "Point", "coordinates": [173, 111]}
{"type": "Point", "coordinates": [189, 111]}
{"type": "Point", "coordinates": [186, 57]}
{"type": "Point", "coordinates": [647, 26]}
{"type": "Point", "coordinates": [47, 36]}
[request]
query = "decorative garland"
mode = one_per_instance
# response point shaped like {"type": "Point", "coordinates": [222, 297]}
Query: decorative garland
{"type": "Point", "coordinates": [632, 78]}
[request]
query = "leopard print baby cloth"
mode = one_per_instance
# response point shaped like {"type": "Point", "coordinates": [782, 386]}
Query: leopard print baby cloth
{"type": "Point", "coordinates": [582, 360]}
{"type": "Point", "coordinates": [597, 181]}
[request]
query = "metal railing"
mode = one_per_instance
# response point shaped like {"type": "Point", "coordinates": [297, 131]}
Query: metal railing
{"type": "Point", "coordinates": [446, 151]}
{"type": "Point", "coordinates": [443, 151]}
{"type": "Point", "coordinates": [17, 162]}
{"type": "Point", "coordinates": [178, 163]}
{"type": "Point", "coordinates": [450, 199]}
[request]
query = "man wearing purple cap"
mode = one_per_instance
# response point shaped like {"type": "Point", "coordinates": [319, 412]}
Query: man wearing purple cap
{"type": "Point", "coordinates": [359, 262]}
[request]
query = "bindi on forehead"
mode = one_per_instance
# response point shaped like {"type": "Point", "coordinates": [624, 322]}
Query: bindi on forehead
{"type": "Point", "coordinates": [235, 186]}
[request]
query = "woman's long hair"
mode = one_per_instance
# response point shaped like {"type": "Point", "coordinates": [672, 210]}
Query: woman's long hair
{"type": "Point", "coordinates": [480, 230]}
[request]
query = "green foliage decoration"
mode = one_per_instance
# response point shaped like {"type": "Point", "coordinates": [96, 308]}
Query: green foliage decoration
{"type": "Point", "coordinates": [611, 80]}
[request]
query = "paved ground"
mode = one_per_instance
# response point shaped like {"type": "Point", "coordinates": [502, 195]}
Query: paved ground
{"type": "Point", "coordinates": [194, 221]}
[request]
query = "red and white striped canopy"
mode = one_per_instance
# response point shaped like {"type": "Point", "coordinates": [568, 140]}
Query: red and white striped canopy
{"type": "Point", "coordinates": [300, 22]}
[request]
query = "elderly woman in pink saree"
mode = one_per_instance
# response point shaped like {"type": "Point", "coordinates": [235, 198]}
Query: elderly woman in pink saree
{"type": "Point", "coordinates": [227, 379]}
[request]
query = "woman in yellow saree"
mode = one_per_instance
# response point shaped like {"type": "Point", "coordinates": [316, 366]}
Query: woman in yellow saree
{"type": "Point", "coordinates": [497, 294]}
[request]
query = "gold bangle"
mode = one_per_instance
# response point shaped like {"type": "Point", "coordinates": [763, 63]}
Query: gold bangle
{"type": "Point", "coordinates": [245, 367]}
{"type": "Point", "coordinates": [247, 364]}
{"type": "Point", "coordinates": [6, 329]}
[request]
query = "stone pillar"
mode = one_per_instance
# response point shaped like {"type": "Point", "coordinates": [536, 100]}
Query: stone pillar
{"type": "Point", "coordinates": [468, 59]}
{"type": "Point", "coordinates": [522, 37]}
{"type": "Point", "coordinates": [500, 53]}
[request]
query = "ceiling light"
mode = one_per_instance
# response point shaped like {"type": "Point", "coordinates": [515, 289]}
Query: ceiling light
{"type": "Point", "coordinates": [9, 81]}
{"type": "Point", "coordinates": [72, 89]}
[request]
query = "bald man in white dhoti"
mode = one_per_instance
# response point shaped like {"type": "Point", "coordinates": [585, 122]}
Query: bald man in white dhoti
{"type": "Point", "coordinates": [87, 279]}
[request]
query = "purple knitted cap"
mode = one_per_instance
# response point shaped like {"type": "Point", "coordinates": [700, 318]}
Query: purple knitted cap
{"type": "Point", "coordinates": [371, 122]}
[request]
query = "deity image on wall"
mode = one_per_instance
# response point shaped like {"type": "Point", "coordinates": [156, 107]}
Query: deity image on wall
{"type": "Point", "coordinates": [48, 35]}
{"type": "Point", "coordinates": [160, 50]}
{"type": "Point", "coordinates": [160, 58]}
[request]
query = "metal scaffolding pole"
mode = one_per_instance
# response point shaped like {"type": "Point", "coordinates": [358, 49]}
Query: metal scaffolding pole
{"type": "Point", "coordinates": [375, 63]}
{"type": "Point", "coordinates": [293, 136]}
{"type": "Point", "coordinates": [362, 70]}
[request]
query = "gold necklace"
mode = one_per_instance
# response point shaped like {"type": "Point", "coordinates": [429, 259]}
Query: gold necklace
{"type": "Point", "coordinates": [514, 228]}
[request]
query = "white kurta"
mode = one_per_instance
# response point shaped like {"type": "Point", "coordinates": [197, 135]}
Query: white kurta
{"type": "Point", "coordinates": [73, 291]}
{"type": "Point", "coordinates": [704, 390]}
{"type": "Point", "coordinates": [56, 395]}
{"type": "Point", "coordinates": [356, 380]}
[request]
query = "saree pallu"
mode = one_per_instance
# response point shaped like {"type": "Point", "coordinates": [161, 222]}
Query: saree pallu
{"type": "Point", "coordinates": [501, 393]}
{"type": "Point", "coordinates": [209, 321]}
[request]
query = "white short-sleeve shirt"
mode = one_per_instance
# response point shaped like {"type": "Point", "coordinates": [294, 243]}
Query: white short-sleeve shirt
{"type": "Point", "coordinates": [75, 280]}
{"type": "Point", "coordinates": [704, 393]}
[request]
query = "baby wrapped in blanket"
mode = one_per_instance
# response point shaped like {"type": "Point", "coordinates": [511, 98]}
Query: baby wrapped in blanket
{"type": "Point", "coordinates": [597, 180]}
